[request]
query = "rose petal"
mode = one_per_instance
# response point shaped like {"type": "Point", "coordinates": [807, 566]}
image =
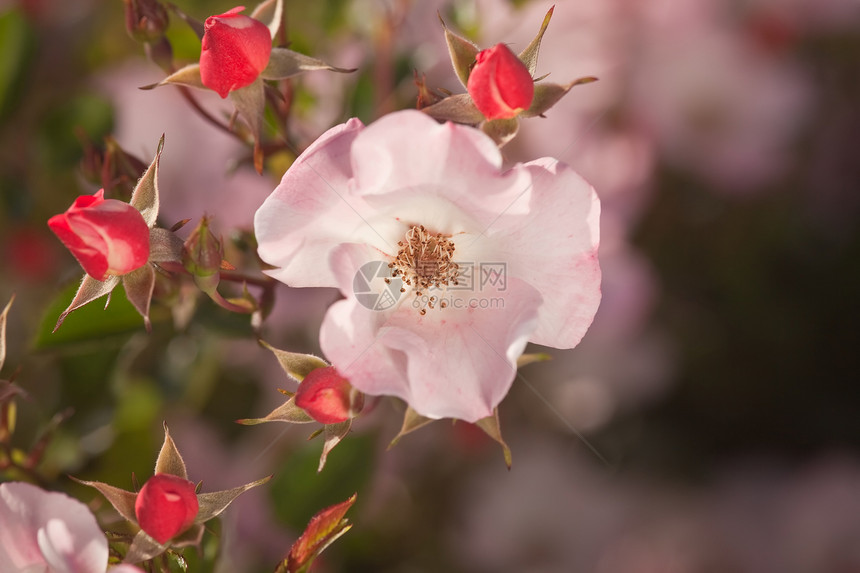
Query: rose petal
{"type": "Point", "coordinates": [49, 529]}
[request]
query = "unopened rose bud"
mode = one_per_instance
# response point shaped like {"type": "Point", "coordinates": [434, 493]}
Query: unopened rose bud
{"type": "Point", "coordinates": [166, 506]}
{"type": "Point", "coordinates": [145, 20]}
{"type": "Point", "coordinates": [202, 256]}
{"type": "Point", "coordinates": [328, 397]}
{"type": "Point", "coordinates": [500, 84]}
{"type": "Point", "coordinates": [108, 237]}
{"type": "Point", "coordinates": [236, 48]}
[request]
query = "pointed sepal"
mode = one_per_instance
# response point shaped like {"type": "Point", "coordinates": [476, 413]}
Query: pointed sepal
{"type": "Point", "coordinates": [323, 529]}
{"type": "Point", "coordinates": [212, 504]}
{"type": "Point", "coordinates": [250, 102]}
{"type": "Point", "coordinates": [139, 285]}
{"type": "Point", "coordinates": [286, 412]}
{"type": "Point", "coordinates": [457, 108]}
{"type": "Point", "coordinates": [169, 459]}
{"type": "Point", "coordinates": [529, 56]}
{"type": "Point", "coordinates": [90, 290]}
{"type": "Point", "coordinates": [195, 25]}
{"type": "Point", "coordinates": [122, 500]}
{"type": "Point", "coordinates": [462, 53]}
{"type": "Point", "coordinates": [143, 548]}
{"type": "Point", "coordinates": [333, 434]}
{"type": "Point", "coordinates": [144, 198]}
{"type": "Point", "coordinates": [164, 246]}
{"type": "Point", "coordinates": [492, 428]}
{"type": "Point", "coordinates": [547, 95]}
{"type": "Point", "coordinates": [187, 76]}
{"type": "Point", "coordinates": [531, 358]}
{"type": "Point", "coordinates": [296, 365]}
{"type": "Point", "coordinates": [501, 130]}
{"type": "Point", "coordinates": [284, 63]}
{"type": "Point", "coordinates": [270, 12]}
{"type": "Point", "coordinates": [412, 420]}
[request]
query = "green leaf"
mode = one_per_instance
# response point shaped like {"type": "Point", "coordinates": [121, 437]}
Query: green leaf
{"type": "Point", "coordinates": [91, 323]}
{"type": "Point", "coordinates": [323, 529]}
{"type": "Point", "coordinates": [298, 491]}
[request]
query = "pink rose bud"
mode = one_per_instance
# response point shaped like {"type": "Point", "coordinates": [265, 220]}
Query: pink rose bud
{"type": "Point", "coordinates": [327, 396]}
{"type": "Point", "coordinates": [236, 49]}
{"type": "Point", "coordinates": [500, 84]}
{"type": "Point", "coordinates": [108, 237]}
{"type": "Point", "coordinates": [166, 506]}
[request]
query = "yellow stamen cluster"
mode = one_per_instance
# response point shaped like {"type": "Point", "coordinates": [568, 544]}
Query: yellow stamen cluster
{"type": "Point", "coordinates": [425, 260]}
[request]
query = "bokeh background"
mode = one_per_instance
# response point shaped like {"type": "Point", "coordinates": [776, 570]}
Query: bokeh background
{"type": "Point", "coordinates": [710, 420]}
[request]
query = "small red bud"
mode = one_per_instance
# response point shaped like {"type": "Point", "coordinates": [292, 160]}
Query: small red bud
{"type": "Point", "coordinates": [328, 397]}
{"type": "Point", "coordinates": [236, 48]}
{"type": "Point", "coordinates": [166, 506]}
{"type": "Point", "coordinates": [499, 84]}
{"type": "Point", "coordinates": [108, 237]}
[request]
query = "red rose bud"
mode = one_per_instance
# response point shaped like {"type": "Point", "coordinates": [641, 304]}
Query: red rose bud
{"type": "Point", "coordinates": [108, 237]}
{"type": "Point", "coordinates": [235, 50]}
{"type": "Point", "coordinates": [328, 397]}
{"type": "Point", "coordinates": [500, 84]}
{"type": "Point", "coordinates": [166, 506]}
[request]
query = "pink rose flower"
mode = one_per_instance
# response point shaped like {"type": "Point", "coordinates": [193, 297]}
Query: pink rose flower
{"type": "Point", "coordinates": [108, 237]}
{"type": "Point", "coordinates": [500, 85]}
{"type": "Point", "coordinates": [166, 506]}
{"type": "Point", "coordinates": [48, 531]}
{"type": "Point", "coordinates": [326, 396]}
{"type": "Point", "coordinates": [236, 49]}
{"type": "Point", "coordinates": [487, 260]}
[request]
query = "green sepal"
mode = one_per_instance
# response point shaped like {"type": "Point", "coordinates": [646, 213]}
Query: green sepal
{"type": "Point", "coordinates": [144, 198]}
{"type": "Point", "coordinates": [547, 95]}
{"type": "Point", "coordinates": [457, 108]}
{"type": "Point", "coordinates": [284, 63]}
{"type": "Point", "coordinates": [412, 420]}
{"type": "Point", "coordinates": [169, 459]}
{"type": "Point", "coordinates": [333, 434]}
{"type": "Point", "coordinates": [492, 428]}
{"type": "Point", "coordinates": [531, 358]}
{"type": "Point", "coordinates": [529, 56]}
{"type": "Point", "coordinates": [462, 52]}
{"type": "Point", "coordinates": [271, 11]}
{"type": "Point", "coordinates": [187, 76]}
{"type": "Point", "coordinates": [286, 412]}
{"type": "Point", "coordinates": [501, 130]}
{"type": "Point", "coordinates": [295, 364]}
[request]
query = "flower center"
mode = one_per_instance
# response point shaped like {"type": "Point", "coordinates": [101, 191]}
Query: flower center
{"type": "Point", "coordinates": [424, 261]}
